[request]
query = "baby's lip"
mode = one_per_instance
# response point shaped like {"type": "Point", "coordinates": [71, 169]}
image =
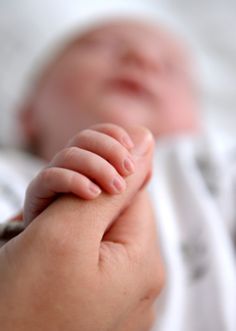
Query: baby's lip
{"type": "Point", "coordinates": [132, 86]}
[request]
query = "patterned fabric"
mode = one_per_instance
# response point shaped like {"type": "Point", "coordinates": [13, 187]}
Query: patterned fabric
{"type": "Point", "coordinates": [193, 192]}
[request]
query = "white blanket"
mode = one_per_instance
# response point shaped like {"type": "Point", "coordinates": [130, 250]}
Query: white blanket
{"type": "Point", "coordinates": [192, 191]}
{"type": "Point", "coordinates": [16, 171]}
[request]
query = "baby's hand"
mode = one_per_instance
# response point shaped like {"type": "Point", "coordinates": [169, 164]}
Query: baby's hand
{"type": "Point", "coordinates": [96, 159]}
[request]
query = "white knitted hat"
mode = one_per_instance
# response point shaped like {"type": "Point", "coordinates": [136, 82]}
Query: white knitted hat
{"type": "Point", "coordinates": [30, 30]}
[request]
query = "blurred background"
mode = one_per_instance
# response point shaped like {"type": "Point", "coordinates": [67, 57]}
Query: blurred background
{"type": "Point", "coordinates": [213, 24]}
{"type": "Point", "coordinates": [209, 24]}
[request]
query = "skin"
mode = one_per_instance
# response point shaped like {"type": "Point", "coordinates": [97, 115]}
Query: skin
{"type": "Point", "coordinates": [86, 272]}
{"type": "Point", "coordinates": [99, 155]}
{"type": "Point", "coordinates": [105, 76]}
{"type": "Point", "coordinates": [126, 73]}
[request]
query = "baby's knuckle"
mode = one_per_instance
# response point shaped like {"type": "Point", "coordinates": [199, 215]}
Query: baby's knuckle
{"type": "Point", "coordinates": [115, 149]}
{"type": "Point", "coordinates": [46, 175]}
{"type": "Point", "coordinates": [114, 130]}
{"type": "Point", "coordinates": [119, 130]}
{"type": "Point", "coordinates": [85, 133]}
{"type": "Point", "coordinates": [107, 171]}
{"type": "Point", "coordinates": [115, 127]}
{"type": "Point", "coordinates": [69, 153]}
{"type": "Point", "coordinates": [32, 184]}
{"type": "Point", "coordinates": [110, 147]}
{"type": "Point", "coordinates": [102, 126]}
{"type": "Point", "coordinates": [82, 135]}
{"type": "Point", "coordinates": [122, 151]}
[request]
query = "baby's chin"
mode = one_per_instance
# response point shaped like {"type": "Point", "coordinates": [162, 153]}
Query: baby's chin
{"type": "Point", "coordinates": [124, 110]}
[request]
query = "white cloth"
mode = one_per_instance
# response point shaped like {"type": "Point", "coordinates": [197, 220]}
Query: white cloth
{"type": "Point", "coordinates": [193, 192]}
{"type": "Point", "coordinates": [16, 171]}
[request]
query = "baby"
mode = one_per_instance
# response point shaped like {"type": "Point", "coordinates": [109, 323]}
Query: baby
{"type": "Point", "coordinates": [128, 74]}
{"type": "Point", "coordinates": [124, 73]}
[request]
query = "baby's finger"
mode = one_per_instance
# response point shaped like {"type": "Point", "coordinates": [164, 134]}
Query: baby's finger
{"type": "Point", "coordinates": [52, 181]}
{"type": "Point", "coordinates": [92, 166]}
{"type": "Point", "coordinates": [106, 147]}
{"type": "Point", "coordinates": [115, 131]}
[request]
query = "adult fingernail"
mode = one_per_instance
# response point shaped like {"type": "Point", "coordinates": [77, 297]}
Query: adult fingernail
{"type": "Point", "coordinates": [142, 141]}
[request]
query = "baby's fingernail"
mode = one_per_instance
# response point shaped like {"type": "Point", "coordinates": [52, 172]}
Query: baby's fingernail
{"type": "Point", "coordinates": [94, 189]}
{"type": "Point", "coordinates": [129, 165]}
{"type": "Point", "coordinates": [118, 184]}
{"type": "Point", "coordinates": [127, 142]}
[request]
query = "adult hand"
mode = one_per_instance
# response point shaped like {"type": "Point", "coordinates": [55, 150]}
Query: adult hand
{"type": "Point", "coordinates": [86, 265]}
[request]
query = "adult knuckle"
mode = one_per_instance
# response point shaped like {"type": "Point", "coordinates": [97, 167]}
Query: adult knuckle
{"type": "Point", "coordinates": [150, 318]}
{"type": "Point", "coordinates": [154, 277]}
{"type": "Point", "coordinates": [141, 320]}
{"type": "Point", "coordinates": [158, 279]}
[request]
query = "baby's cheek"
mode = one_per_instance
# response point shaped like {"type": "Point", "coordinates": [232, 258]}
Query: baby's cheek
{"type": "Point", "coordinates": [176, 112]}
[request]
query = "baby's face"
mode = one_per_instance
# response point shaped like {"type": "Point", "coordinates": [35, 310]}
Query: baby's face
{"type": "Point", "coordinates": [124, 73]}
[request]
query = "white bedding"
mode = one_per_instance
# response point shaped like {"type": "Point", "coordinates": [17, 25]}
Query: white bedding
{"type": "Point", "coordinates": [193, 194]}
{"type": "Point", "coordinates": [16, 171]}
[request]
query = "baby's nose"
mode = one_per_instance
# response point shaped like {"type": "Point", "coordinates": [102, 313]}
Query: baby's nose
{"type": "Point", "coordinates": [142, 56]}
